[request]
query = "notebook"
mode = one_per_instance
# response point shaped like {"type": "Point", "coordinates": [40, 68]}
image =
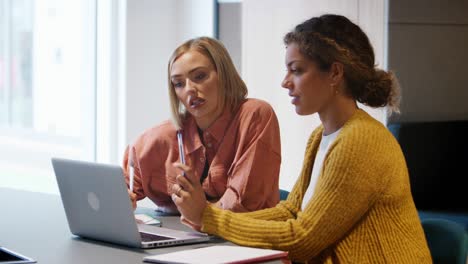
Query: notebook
{"type": "Point", "coordinates": [98, 207]}
{"type": "Point", "coordinates": [218, 254]}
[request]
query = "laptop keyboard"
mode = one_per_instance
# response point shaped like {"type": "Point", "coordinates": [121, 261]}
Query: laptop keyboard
{"type": "Point", "coordinates": [146, 237]}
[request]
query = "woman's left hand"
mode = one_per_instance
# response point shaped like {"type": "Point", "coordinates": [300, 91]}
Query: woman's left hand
{"type": "Point", "coordinates": [189, 197]}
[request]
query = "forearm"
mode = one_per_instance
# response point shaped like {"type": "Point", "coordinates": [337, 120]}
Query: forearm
{"type": "Point", "coordinates": [236, 227]}
{"type": "Point", "coordinates": [281, 212]}
{"type": "Point", "coordinates": [242, 229]}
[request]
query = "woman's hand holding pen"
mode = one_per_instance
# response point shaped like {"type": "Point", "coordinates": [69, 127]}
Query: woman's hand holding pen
{"type": "Point", "coordinates": [132, 198]}
{"type": "Point", "coordinates": [131, 179]}
{"type": "Point", "coordinates": [189, 197]}
{"type": "Point", "coordinates": [131, 171]}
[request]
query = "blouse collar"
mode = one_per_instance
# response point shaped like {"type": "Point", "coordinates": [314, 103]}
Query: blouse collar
{"type": "Point", "coordinates": [216, 130]}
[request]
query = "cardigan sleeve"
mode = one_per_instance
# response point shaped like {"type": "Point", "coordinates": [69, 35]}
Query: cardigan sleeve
{"type": "Point", "coordinates": [281, 212]}
{"type": "Point", "coordinates": [346, 189]}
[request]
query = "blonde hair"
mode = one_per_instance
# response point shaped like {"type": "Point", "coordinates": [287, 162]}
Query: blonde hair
{"type": "Point", "coordinates": [232, 89]}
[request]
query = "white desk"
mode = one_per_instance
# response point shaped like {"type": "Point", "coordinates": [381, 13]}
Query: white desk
{"type": "Point", "coordinates": [35, 225]}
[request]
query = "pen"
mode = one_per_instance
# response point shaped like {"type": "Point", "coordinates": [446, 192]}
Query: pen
{"type": "Point", "coordinates": [181, 148]}
{"type": "Point", "coordinates": [131, 169]}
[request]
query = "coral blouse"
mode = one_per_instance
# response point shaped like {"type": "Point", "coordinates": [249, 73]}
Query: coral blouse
{"type": "Point", "coordinates": [242, 151]}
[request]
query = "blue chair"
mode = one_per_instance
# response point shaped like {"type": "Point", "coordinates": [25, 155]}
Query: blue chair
{"type": "Point", "coordinates": [447, 241]}
{"type": "Point", "coordinates": [283, 194]}
{"type": "Point", "coordinates": [459, 218]}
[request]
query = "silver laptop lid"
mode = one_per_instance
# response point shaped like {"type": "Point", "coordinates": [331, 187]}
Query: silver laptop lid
{"type": "Point", "coordinates": [97, 206]}
{"type": "Point", "coordinates": [93, 201]}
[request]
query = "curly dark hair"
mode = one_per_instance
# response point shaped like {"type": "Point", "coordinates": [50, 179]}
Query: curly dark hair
{"type": "Point", "coordinates": [334, 38]}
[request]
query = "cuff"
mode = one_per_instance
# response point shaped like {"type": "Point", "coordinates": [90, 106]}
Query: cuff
{"type": "Point", "coordinates": [210, 215]}
{"type": "Point", "coordinates": [230, 201]}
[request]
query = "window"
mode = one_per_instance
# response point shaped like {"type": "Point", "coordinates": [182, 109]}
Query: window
{"type": "Point", "coordinates": [47, 88]}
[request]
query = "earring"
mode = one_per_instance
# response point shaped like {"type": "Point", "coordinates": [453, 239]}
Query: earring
{"type": "Point", "coordinates": [333, 87]}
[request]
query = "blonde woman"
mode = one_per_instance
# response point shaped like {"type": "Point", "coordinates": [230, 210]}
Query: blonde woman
{"type": "Point", "coordinates": [231, 143]}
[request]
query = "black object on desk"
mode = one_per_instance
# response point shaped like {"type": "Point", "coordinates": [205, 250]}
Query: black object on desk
{"type": "Point", "coordinates": [9, 256]}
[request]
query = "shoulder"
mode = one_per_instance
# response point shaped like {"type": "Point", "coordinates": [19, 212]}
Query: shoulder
{"type": "Point", "coordinates": [365, 127]}
{"type": "Point", "coordinates": [256, 117]}
{"type": "Point", "coordinates": [160, 133]}
{"type": "Point", "coordinates": [257, 105]}
{"type": "Point", "coordinates": [155, 141]}
{"type": "Point", "coordinates": [367, 149]}
{"type": "Point", "coordinates": [255, 108]}
{"type": "Point", "coordinates": [367, 136]}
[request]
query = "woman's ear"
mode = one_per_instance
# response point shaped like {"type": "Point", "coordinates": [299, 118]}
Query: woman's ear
{"type": "Point", "coordinates": [336, 73]}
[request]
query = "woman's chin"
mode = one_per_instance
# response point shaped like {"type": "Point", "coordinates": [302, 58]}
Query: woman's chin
{"type": "Point", "coordinates": [299, 111]}
{"type": "Point", "coordinates": [302, 112]}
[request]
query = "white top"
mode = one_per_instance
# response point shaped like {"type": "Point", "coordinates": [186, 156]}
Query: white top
{"type": "Point", "coordinates": [318, 163]}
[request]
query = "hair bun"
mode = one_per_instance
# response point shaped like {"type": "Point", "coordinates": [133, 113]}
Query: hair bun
{"type": "Point", "coordinates": [381, 90]}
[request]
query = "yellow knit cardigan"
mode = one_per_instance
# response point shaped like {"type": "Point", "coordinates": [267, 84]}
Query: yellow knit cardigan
{"type": "Point", "coordinates": [362, 210]}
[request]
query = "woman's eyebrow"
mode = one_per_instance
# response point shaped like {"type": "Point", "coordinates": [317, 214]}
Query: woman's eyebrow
{"type": "Point", "coordinates": [191, 71]}
{"type": "Point", "coordinates": [292, 62]}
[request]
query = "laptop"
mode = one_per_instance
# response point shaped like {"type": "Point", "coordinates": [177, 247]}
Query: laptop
{"type": "Point", "coordinates": [98, 207]}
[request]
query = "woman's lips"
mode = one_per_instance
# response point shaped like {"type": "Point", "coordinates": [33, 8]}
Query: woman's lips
{"type": "Point", "coordinates": [196, 102]}
{"type": "Point", "coordinates": [295, 100]}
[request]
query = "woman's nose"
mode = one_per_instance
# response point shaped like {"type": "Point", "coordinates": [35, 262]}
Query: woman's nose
{"type": "Point", "coordinates": [286, 83]}
{"type": "Point", "coordinates": [191, 87]}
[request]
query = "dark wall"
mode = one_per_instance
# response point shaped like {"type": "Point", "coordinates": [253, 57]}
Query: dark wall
{"type": "Point", "coordinates": [436, 155]}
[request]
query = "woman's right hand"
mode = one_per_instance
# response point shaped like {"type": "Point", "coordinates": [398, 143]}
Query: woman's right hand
{"type": "Point", "coordinates": [189, 197]}
{"type": "Point", "coordinates": [132, 198]}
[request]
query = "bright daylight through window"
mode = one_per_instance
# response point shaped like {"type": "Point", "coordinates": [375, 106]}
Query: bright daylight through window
{"type": "Point", "coordinates": [47, 88]}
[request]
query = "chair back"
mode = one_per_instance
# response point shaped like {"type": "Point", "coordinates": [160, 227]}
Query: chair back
{"type": "Point", "coordinates": [447, 241]}
{"type": "Point", "coordinates": [283, 194]}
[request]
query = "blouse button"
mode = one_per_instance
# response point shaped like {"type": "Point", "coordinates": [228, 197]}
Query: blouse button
{"type": "Point", "coordinates": [202, 159]}
{"type": "Point", "coordinates": [209, 145]}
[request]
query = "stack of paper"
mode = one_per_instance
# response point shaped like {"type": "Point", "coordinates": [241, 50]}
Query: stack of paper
{"type": "Point", "coordinates": [218, 254]}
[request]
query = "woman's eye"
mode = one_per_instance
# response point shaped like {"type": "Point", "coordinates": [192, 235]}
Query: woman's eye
{"type": "Point", "coordinates": [177, 84]}
{"type": "Point", "coordinates": [200, 76]}
{"type": "Point", "coordinates": [295, 71]}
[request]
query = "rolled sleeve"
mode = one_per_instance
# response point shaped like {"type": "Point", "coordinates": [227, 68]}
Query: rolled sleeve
{"type": "Point", "coordinates": [252, 185]}
{"type": "Point", "coordinates": [253, 179]}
